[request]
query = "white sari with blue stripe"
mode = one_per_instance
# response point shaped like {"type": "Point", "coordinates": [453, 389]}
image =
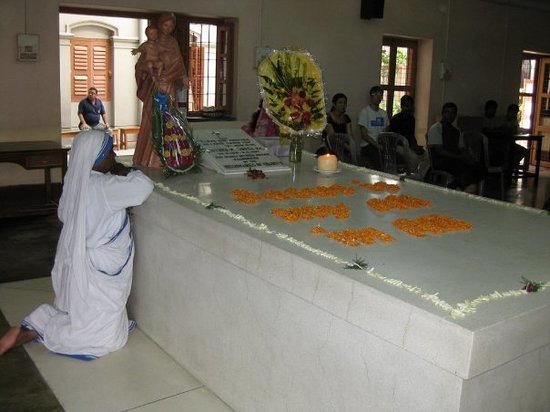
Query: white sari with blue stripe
{"type": "Point", "coordinates": [92, 274]}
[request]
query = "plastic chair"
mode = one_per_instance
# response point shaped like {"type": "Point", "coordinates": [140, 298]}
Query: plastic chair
{"type": "Point", "coordinates": [437, 176]}
{"type": "Point", "coordinates": [343, 147]}
{"type": "Point", "coordinates": [388, 154]}
{"type": "Point", "coordinates": [478, 145]}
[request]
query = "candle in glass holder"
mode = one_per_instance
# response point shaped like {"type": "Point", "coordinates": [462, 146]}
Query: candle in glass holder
{"type": "Point", "coordinates": [327, 163]}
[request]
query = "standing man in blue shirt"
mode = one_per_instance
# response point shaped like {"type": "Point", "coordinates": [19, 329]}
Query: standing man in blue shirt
{"type": "Point", "coordinates": [91, 111]}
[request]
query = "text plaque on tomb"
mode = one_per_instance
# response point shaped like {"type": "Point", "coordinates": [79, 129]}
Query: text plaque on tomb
{"type": "Point", "coordinates": [232, 151]}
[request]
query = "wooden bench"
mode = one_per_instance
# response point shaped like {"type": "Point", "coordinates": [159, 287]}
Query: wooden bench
{"type": "Point", "coordinates": [71, 134]}
{"type": "Point", "coordinates": [124, 132]}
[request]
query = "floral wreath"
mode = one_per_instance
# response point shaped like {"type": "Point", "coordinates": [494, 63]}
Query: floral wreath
{"type": "Point", "coordinates": [292, 89]}
{"type": "Point", "coordinates": [172, 137]}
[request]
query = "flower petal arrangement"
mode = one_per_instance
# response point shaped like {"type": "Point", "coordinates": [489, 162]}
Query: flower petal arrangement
{"type": "Point", "coordinates": [292, 88]}
{"type": "Point", "coordinates": [456, 311]}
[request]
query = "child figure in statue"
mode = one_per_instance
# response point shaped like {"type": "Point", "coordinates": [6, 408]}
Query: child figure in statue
{"type": "Point", "coordinates": [150, 61]}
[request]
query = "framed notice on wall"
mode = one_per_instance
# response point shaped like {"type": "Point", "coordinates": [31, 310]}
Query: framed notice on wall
{"type": "Point", "coordinates": [27, 47]}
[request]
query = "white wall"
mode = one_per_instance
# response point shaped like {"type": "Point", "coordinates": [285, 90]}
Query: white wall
{"type": "Point", "coordinates": [481, 41]}
{"type": "Point", "coordinates": [30, 107]}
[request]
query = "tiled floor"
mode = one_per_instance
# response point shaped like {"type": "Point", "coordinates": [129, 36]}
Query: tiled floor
{"type": "Point", "coordinates": [141, 376]}
{"type": "Point", "coordinates": [523, 191]}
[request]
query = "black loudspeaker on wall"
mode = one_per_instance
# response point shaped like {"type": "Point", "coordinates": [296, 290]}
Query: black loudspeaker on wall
{"type": "Point", "coordinates": [372, 9]}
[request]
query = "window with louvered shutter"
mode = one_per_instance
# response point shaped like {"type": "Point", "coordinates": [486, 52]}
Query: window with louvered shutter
{"type": "Point", "coordinates": [91, 61]}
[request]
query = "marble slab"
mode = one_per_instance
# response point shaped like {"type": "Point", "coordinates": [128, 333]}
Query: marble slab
{"type": "Point", "coordinates": [232, 151]}
{"type": "Point", "coordinates": [266, 315]}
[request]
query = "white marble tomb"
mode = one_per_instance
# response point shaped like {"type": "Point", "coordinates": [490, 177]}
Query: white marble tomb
{"type": "Point", "coordinates": [270, 323]}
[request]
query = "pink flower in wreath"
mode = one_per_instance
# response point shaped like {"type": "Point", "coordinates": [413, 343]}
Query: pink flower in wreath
{"type": "Point", "coordinates": [296, 98]}
{"type": "Point", "coordinates": [306, 118]}
{"type": "Point", "coordinates": [295, 115]}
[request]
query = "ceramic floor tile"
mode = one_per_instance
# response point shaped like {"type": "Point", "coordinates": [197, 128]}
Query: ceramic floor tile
{"type": "Point", "coordinates": [193, 401]}
{"type": "Point", "coordinates": [16, 303]}
{"type": "Point", "coordinates": [44, 283]}
{"type": "Point", "coordinates": [138, 374]}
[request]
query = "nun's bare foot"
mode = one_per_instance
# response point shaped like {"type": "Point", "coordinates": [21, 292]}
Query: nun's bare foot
{"type": "Point", "coordinates": [14, 337]}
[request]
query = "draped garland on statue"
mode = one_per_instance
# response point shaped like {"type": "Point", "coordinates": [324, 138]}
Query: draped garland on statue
{"type": "Point", "coordinates": [172, 137]}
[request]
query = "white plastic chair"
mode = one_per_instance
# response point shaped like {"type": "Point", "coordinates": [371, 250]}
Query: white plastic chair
{"type": "Point", "coordinates": [343, 146]}
{"type": "Point", "coordinates": [437, 176]}
{"type": "Point", "coordinates": [388, 154]}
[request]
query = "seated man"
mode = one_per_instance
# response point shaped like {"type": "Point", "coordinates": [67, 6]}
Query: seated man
{"type": "Point", "coordinates": [499, 143]}
{"type": "Point", "coordinates": [91, 111]}
{"type": "Point", "coordinates": [404, 123]}
{"type": "Point", "coordinates": [372, 121]}
{"type": "Point", "coordinates": [449, 153]}
{"type": "Point", "coordinates": [510, 127]}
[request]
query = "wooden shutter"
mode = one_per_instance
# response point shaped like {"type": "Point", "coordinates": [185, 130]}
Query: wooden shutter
{"type": "Point", "coordinates": [542, 112]}
{"type": "Point", "coordinates": [224, 64]}
{"type": "Point", "coordinates": [100, 69]}
{"type": "Point", "coordinates": [80, 73]}
{"type": "Point", "coordinates": [195, 74]}
{"type": "Point", "coordinates": [90, 66]}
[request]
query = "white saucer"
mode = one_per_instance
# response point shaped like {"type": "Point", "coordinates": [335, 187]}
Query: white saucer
{"type": "Point", "coordinates": [327, 172]}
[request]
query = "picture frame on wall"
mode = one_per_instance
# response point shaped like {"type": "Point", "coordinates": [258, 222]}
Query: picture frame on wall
{"type": "Point", "coordinates": [28, 47]}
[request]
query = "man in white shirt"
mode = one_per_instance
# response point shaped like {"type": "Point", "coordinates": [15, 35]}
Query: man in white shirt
{"type": "Point", "coordinates": [372, 121]}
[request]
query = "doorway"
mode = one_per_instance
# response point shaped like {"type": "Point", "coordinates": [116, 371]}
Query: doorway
{"type": "Point", "coordinates": [534, 101]}
{"type": "Point", "coordinates": [542, 109]}
{"type": "Point", "coordinates": [397, 71]}
{"type": "Point", "coordinates": [95, 50]}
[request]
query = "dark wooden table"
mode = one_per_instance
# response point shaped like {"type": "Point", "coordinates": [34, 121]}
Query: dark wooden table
{"type": "Point", "coordinates": [35, 155]}
{"type": "Point", "coordinates": [530, 139]}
